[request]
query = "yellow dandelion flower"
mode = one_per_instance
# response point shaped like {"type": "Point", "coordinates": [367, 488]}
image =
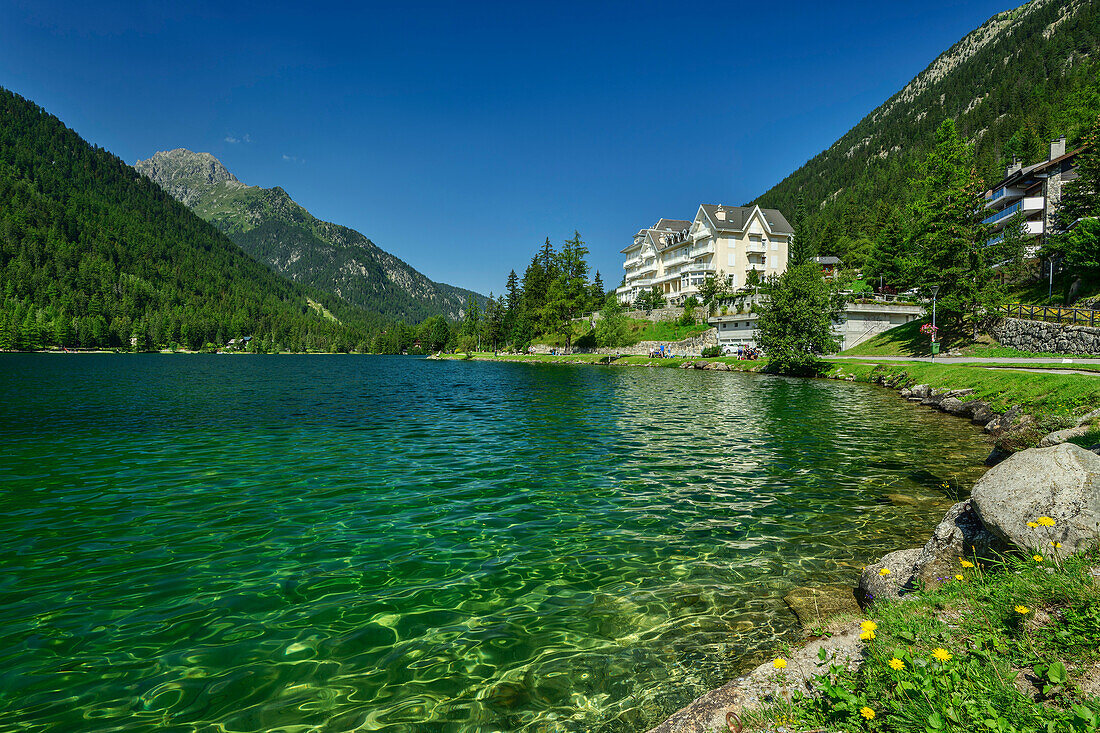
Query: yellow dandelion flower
{"type": "Point", "coordinates": [867, 713]}
{"type": "Point", "coordinates": [941, 654]}
{"type": "Point", "coordinates": [869, 626]}
{"type": "Point", "coordinates": [896, 664]}
{"type": "Point", "coordinates": [1046, 521]}
{"type": "Point", "coordinates": [884, 572]}
{"type": "Point", "coordinates": [1055, 545]}
{"type": "Point", "coordinates": [958, 577]}
{"type": "Point", "coordinates": [965, 563]}
{"type": "Point", "coordinates": [1037, 558]}
{"type": "Point", "coordinates": [1033, 525]}
{"type": "Point", "coordinates": [867, 635]}
{"type": "Point", "coordinates": [779, 663]}
{"type": "Point", "coordinates": [1022, 610]}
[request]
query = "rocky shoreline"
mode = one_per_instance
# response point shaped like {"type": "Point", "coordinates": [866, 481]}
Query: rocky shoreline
{"type": "Point", "coordinates": [1056, 479]}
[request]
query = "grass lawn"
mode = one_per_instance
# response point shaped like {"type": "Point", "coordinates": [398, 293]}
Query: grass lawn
{"type": "Point", "coordinates": [1058, 395]}
{"type": "Point", "coordinates": [640, 330]}
{"type": "Point", "coordinates": [907, 340]}
{"type": "Point", "coordinates": [1009, 647]}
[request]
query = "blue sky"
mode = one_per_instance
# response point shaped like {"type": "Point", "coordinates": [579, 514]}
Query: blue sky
{"type": "Point", "coordinates": [459, 135]}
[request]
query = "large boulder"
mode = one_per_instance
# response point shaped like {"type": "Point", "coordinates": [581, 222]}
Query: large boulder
{"type": "Point", "coordinates": [1061, 482]}
{"type": "Point", "coordinates": [980, 414]}
{"type": "Point", "coordinates": [901, 569]}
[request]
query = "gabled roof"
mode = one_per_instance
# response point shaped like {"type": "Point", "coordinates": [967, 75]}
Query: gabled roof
{"type": "Point", "coordinates": [738, 217]}
{"type": "Point", "coordinates": [1031, 170]}
{"type": "Point", "coordinates": [672, 225]}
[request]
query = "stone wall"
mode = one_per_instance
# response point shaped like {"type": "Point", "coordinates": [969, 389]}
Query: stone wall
{"type": "Point", "coordinates": [1055, 338]}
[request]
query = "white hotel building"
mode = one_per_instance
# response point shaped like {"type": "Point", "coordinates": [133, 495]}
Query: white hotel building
{"type": "Point", "coordinates": [676, 255]}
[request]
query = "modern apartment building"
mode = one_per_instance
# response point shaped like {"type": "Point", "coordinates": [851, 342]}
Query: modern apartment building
{"type": "Point", "coordinates": [731, 242]}
{"type": "Point", "coordinates": [1034, 190]}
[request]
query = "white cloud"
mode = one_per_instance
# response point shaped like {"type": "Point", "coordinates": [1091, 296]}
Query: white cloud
{"type": "Point", "coordinates": [231, 140]}
{"type": "Point", "coordinates": [234, 140]}
{"type": "Point", "coordinates": [292, 158]}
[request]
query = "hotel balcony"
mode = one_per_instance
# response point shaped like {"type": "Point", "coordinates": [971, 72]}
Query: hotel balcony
{"type": "Point", "coordinates": [1003, 196]}
{"type": "Point", "coordinates": [702, 267]}
{"type": "Point", "coordinates": [633, 261]}
{"type": "Point", "coordinates": [706, 249]}
{"type": "Point", "coordinates": [1031, 203]}
{"type": "Point", "coordinates": [702, 234]}
{"type": "Point", "coordinates": [678, 259]}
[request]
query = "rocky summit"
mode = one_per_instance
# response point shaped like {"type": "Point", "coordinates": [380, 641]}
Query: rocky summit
{"type": "Point", "coordinates": [274, 229]}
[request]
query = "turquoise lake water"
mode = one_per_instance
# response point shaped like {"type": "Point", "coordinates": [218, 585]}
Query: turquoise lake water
{"type": "Point", "coordinates": [338, 543]}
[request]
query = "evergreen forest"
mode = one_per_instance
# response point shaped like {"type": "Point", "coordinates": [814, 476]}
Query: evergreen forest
{"type": "Point", "coordinates": [94, 255]}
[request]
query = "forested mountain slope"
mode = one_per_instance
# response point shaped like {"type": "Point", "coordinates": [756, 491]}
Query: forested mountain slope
{"type": "Point", "coordinates": [94, 254]}
{"type": "Point", "coordinates": [1023, 78]}
{"type": "Point", "coordinates": [271, 227]}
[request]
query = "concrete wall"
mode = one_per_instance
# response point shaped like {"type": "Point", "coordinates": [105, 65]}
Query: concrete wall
{"type": "Point", "coordinates": [1056, 338]}
{"type": "Point", "coordinates": [867, 320]}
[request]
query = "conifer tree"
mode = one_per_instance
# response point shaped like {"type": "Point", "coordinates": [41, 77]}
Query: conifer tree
{"type": "Point", "coordinates": [950, 237]}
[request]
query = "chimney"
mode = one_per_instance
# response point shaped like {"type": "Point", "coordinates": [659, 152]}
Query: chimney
{"type": "Point", "coordinates": [720, 214]}
{"type": "Point", "coordinates": [1057, 148]}
{"type": "Point", "coordinates": [1016, 165]}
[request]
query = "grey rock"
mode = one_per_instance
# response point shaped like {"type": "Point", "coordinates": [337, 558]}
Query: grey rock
{"type": "Point", "coordinates": [1088, 418]}
{"type": "Point", "coordinates": [920, 390]}
{"type": "Point", "coordinates": [996, 455]}
{"type": "Point", "coordinates": [1004, 422]}
{"type": "Point", "coordinates": [980, 414]}
{"type": "Point", "coordinates": [1061, 436]}
{"type": "Point", "coordinates": [960, 534]}
{"type": "Point", "coordinates": [906, 392]}
{"type": "Point", "coordinates": [1062, 482]}
{"type": "Point", "coordinates": [902, 564]}
{"type": "Point", "coordinates": [686, 365]}
{"type": "Point", "coordinates": [933, 399]}
{"type": "Point", "coordinates": [955, 406]}
{"type": "Point", "coordinates": [960, 392]}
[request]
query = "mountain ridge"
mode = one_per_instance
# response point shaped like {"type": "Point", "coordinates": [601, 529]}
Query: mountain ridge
{"type": "Point", "coordinates": [1019, 80]}
{"type": "Point", "coordinates": [276, 230]}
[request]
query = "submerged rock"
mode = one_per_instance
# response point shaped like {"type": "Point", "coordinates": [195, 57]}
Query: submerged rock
{"type": "Point", "coordinates": [1061, 482]}
{"type": "Point", "coordinates": [815, 605]}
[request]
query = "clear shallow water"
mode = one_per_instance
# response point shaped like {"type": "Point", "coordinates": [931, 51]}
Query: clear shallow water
{"type": "Point", "coordinates": [212, 543]}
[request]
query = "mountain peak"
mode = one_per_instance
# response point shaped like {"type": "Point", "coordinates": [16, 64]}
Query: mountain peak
{"type": "Point", "coordinates": [185, 174]}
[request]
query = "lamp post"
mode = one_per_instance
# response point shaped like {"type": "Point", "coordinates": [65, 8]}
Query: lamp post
{"type": "Point", "coordinates": [935, 290]}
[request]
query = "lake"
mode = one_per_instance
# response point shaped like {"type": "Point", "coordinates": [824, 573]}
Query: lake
{"type": "Point", "coordinates": [337, 543]}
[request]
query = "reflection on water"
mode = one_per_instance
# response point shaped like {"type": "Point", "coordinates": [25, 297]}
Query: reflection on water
{"type": "Point", "coordinates": [367, 543]}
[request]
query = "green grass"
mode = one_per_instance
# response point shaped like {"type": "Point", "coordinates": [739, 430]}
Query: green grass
{"type": "Point", "coordinates": [1022, 636]}
{"type": "Point", "coordinates": [907, 340]}
{"type": "Point", "coordinates": [640, 330]}
{"type": "Point", "coordinates": [1056, 395]}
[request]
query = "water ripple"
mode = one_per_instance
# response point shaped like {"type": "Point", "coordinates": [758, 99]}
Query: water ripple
{"type": "Point", "coordinates": [366, 543]}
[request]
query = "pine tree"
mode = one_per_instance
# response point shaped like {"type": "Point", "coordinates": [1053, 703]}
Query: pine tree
{"type": "Point", "coordinates": [801, 248]}
{"type": "Point", "coordinates": [950, 236]}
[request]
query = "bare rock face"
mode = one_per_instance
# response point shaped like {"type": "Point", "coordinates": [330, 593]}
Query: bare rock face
{"type": "Point", "coordinates": [1061, 482]}
{"type": "Point", "coordinates": [186, 175]}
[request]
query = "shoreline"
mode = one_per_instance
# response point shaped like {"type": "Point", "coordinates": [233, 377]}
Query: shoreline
{"type": "Point", "coordinates": [997, 412]}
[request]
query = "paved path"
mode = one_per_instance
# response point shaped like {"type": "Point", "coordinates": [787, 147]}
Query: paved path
{"type": "Point", "coordinates": [976, 359]}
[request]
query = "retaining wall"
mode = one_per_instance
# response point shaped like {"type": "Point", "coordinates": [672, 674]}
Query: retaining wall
{"type": "Point", "coordinates": [1055, 338]}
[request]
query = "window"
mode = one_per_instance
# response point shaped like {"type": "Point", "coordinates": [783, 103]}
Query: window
{"type": "Point", "coordinates": [732, 257]}
{"type": "Point", "coordinates": [775, 245]}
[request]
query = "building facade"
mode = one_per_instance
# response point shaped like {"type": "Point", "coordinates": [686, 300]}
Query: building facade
{"type": "Point", "coordinates": [1035, 191]}
{"type": "Point", "coordinates": [737, 243]}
